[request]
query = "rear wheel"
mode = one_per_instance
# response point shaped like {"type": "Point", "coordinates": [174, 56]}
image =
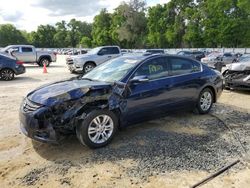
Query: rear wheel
{"type": "Point", "coordinates": [44, 61]}
{"type": "Point", "coordinates": [205, 101]}
{"type": "Point", "coordinates": [98, 129]}
{"type": "Point", "coordinates": [88, 67]}
{"type": "Point", "coordinates": [7, 74]}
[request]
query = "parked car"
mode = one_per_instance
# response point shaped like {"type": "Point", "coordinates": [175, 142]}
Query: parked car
{"type": "Point", "coordinates": [192, 54]}
{"type": "Point", "coordinates": [86, 62]}
{"type": "Point", "coordinates": [28, 54]}
{"type": "Point", "coordinates": [155, 51]}
{"type": "Point", "coordinates": [120, 92]}
{"type": "Point", "coordinates": [125, 51]}
{"type": "Point", "coordinates": [218, 60]}
{"type": "Point", "coordinates": [9, 67]}
{"type": "Point", "coordinates": [237, 75]}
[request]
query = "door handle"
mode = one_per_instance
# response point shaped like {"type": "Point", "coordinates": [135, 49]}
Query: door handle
{"type": "Point", "coordinates": [109, 56]}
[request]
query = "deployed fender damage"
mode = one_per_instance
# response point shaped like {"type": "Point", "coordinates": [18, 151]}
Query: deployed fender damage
{"type": "Point", "coordinates": [237, 76]}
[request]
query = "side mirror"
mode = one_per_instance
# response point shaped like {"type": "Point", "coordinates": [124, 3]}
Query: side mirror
{"type": "Point", "coordinates": [139, 79]}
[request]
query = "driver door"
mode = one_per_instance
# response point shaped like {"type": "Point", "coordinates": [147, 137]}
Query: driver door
{"type": "Point", "coordinates": [152, 95]}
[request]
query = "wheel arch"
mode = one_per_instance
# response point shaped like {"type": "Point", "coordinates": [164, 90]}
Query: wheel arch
{"type": "Point", "coordinates": [98, 105]}
{"type": "Point", "coordinates": [43, 57]}
{"type": "Point", "coordinates": [90, 62]}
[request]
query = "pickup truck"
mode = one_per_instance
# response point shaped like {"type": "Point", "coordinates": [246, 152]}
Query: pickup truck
{"type": "Point", "coordinates": [86, 62]}
{"type": "Point", "coordinates": [28, 54]}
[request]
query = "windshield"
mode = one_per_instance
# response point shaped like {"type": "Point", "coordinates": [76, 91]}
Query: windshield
{"type": "Point", "coordinates": [94, 50]}
{"type": "Point", "coordinates": [113, 70]}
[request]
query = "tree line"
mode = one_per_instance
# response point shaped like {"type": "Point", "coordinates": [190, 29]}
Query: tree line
{"type": "Point", "coordinates": [176, 24]}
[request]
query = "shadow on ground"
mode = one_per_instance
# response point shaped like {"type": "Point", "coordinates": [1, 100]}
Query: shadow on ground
{"type": "Point", "coordinates": [182, 141]}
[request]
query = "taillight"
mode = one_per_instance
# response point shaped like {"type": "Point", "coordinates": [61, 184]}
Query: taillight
{"type": "Point", "coordinates": [19, 62]}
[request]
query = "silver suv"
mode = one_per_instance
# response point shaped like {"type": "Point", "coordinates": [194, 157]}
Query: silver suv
{"type": "Point", "coordinates": [86, 62]}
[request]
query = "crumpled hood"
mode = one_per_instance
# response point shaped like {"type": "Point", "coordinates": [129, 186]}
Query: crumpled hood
{"type": "Point", "coordinates": [62, 91]}
{"type": "Point", "coordinates": [241, 66]}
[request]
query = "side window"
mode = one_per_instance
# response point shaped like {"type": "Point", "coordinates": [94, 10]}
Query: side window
{"type": "Point", "coordinates": [179, 66]}
{"type": "Point", "coordinates": [154, 69]}
{"type": "Point", "coordinates": [114, 50]}
{"type": "Point", "coordinates": [104, 51]}
{"type": "Point", "coordinates": [26, 49]}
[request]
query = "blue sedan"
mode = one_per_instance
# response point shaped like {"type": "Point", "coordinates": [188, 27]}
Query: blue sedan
{"type": "Point", "coordinates": [118, 93]}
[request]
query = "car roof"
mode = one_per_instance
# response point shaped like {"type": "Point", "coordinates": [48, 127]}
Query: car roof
{"type": "Point", "coordinates": [108, 46]}
{"type": "Point", "coordinates": [141, 57]}
{"type": "Point", "coordinates": [19, 45]}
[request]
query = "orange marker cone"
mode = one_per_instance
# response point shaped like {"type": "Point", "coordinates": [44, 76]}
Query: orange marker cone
{"type": "Point", "coordinates": [44, 68]}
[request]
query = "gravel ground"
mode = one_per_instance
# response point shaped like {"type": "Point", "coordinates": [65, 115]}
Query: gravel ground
{"type": "Point", "coordinates": [175, 151]}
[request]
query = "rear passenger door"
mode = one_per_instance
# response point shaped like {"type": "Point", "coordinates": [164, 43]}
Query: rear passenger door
{"type": "Point", "coordinates": [104, 55]}
{"type": "Point", "coordinates": [114, 52]}
{"type": "Point", "coordinates": [186, 80]}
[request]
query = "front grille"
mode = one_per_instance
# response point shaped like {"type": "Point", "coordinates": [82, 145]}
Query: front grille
{"type": "Point", "coordinates": [29, 106]}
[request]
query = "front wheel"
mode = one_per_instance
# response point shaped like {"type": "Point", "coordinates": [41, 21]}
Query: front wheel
{"type": "Point", "coordinates": [98, 129]}
{"type": "Point", "coordinates": [88, 67]}
{"type": "Point", "coordinates": [7, 74]}
{"type": "Point", "coordinates": [205, 101]}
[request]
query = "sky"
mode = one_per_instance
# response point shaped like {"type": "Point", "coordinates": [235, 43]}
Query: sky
{"type": "Point", "coordinates": [28, 14]}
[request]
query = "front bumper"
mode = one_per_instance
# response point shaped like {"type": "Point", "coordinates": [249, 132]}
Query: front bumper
{"type": "Point", "coordinates": [238, 85]}
{"type": "Point", "coordinates": [39, 130]}
{"type": "Point", "coordinates": [73, 67]}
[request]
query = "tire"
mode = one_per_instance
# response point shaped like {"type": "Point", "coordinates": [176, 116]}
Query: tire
{"type": "Point", "coordinates": [7, 74]}
{"type": "Point", "coordinates": [88, 67]}
{"type": "Point", "coordinates": [90, 133]}
{"type": "Point", "coordinates": [205, 101]}
{"type": "Point", "coordinates": [44, 61]}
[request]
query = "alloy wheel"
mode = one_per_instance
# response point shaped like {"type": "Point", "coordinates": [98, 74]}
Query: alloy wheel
{"type": "Point", "coordinates": [7, 74]}
{"type": "Point", "coordinates": [88, 68]}
{"type": "Point", "coordinates": [46, 62]}
{"type": "Point", "coordinates": [206, 101]}
{"type": "Point", "coordinates": [100, 129]}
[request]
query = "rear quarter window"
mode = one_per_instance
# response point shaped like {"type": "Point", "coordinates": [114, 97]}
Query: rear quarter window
{"type": "Point", "coordinates": [114, 50]}
{"type": "Point", "coordinates": [179, 66]}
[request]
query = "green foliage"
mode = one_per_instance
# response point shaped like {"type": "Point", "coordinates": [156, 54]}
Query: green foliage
{"type": "Point", "coordinates": [178, 23]}
{"type": "Point", "coordinates": [101, 29]}
{"type": "Point", "coordinates": [10, 35]}
{"type": "Point", "coordinates": [86, 42]}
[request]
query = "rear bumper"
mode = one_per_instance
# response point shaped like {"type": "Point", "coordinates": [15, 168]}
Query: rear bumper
{"type": "Point", "coordinates": [20, 70]}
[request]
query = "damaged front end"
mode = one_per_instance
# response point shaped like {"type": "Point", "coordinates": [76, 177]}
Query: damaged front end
{"type": "Point", "coordinates": [238, 76]}
{"type": "Point", "coordinates": [62, 113]}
